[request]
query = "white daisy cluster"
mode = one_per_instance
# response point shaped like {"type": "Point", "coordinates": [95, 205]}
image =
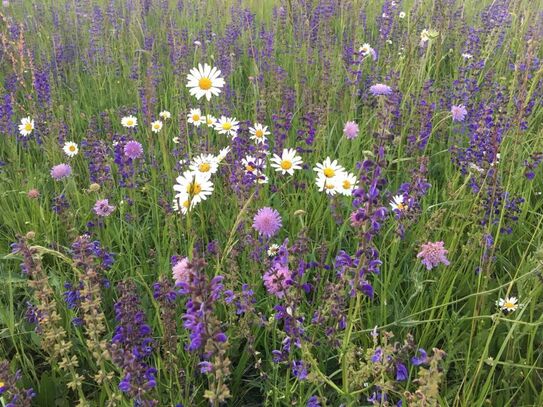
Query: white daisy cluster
{"type": "Point", "coordinates": [195, 185]}
{"type": "Point", "coordinates": [333, 179]}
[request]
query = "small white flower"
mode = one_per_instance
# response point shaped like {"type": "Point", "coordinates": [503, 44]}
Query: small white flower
{"type": "Point", "coordinates": [328, 168]}
{"type": "Point", "coordinates": [197, 186]}
{"type": "Point", "coordinates": [252, 164]}
{"type": "Point", "coordinates": [26, 126]}
{"type": "Point", "coordinates": [205, 81]}
{"type": "Point", "coordinates": [210, 120]}
{"type": "Point", "coordinates": [165, 115]}
{"type": "Point", "coordinates": [176, 140]}
{"type": "Point", "coordinates": [465, 55]}
{"type": "Point", "coordinates": [205, 164]}
{"type": "Point", "coordinates": [330, 186]}
{"type": "Point", "coordinates": [347, 183]}
{"type": "Point", "coordinates": [129, 121]}
{"type": "Point", "coordinates": [397, 203]}
{"type": "Point", "coordinates": [156, 126]}
{"type": "Point", "coordinates": [287, 162]}
{"type": "Point", "coordinates": [273, 250]}
{"type": "Point", "coordinates": [195, 117]}
{"type": "Point", "coordinates": [402, 14]}
{"type": "Point", "coordinates": [259, 133]}
{"type": "Point", "coordinates": [227, 125]}
{"type": "Point", "coordinates": [223, 153]}
{"type": "Point", "coordinates": [508, 304]}
{"type": "Point", "coordinates": [70, 149]}
{"type": "Point", "coordinates": [182, 203]}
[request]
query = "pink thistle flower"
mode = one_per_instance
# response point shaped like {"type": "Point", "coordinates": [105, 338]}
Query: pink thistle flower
{"type": "Point", "coordinates": [103, 208]}
{"type": "Point", "coordinates": [181, 271]}
{"type": "Point", "coordinates": [267, 221]}
{"type": "Point", "coordinates": [458, 113]}
{"type": "Point", "coordinates": [351, 130]}
{"type": "Point", "coordinates": [61, 171]}
{"type": "Point", "coordinates": [33, 193]}
{"type": "Point", "coordinates": [277, 280]}
{"type": "Point", "coordinates": [432, 254]}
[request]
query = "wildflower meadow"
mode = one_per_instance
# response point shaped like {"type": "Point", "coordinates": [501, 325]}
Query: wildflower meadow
{"type": "Point", "coordinates": [316, 203]}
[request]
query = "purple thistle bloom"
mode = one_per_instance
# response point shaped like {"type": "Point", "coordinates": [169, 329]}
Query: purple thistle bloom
{"type": "Point", "coordinates": [61, 171]}
{"type": "Point", "coordinates": [103, 208]}
{"type": "Point", "coordinates": [267, 222]}
{"type": "Point", "coordinates": [133, 149]}
{"type": "Point", "coordinates": [380, 90]}
{"type": "Point", "coordinates": [432, 254]}
{"type": "Point", "coordinates": [351, 130]}
{"type": "Point", "coordinates": [458, 112]}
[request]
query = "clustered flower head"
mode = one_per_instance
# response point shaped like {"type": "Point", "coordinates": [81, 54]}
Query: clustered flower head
{"type": "Point", "coordinates": [350, 130]}
{"type": "Point", "coordinates": [459, 113]}
{"type": "Point", "coordinates": [380, 89]}
{"type": "Point", "coordinates": [133, 149]}
{"type": "Point", "coordinates": [103, 208]}
{"type": "Point", "coordinates": [267, 222]}
{"type": "Point", "coordinates": [61, 171]}
{"type": "Point", "coordinates": [433, 254]}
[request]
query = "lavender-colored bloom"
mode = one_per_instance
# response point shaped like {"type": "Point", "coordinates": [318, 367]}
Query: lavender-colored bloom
{"type": "Point", "coordinates": [133, 149]}
{"type": "Point", "coordinates": [180, 271]}
{"type": "Point", "coordinates": [420, 360]}
{"type": "Point", "coordinates": [61, 171]}
{"type": "Point", "coordinates": [432, 254]}
{"type": "Point", "coordinates": [267, 221]}
{"type": "Point", "coordinates": [313, 402]}
{"type": "Point", "coordinates": [377, 355]}
{"type": "Point", "coordinates": [380, 90]}
{"type": "Point", "coordinates": [401, 372]}
{"type": "Point", "coordinates": [103, 208]}
{"type": "Point", "coordinates": [350, 130]}
{"type": "Point", "coordinates": [299, 370]}
{"type": "Point", "coordinates": [458, 112]}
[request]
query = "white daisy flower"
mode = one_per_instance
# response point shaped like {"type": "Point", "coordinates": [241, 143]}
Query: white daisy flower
{"type": "Point", "coordinates": [129, 121]}
{"type": "Point", "coordinates": [252, 164]}
{"type": "Point", "coordinates": [223, 153]}
{"type": "Point", "coordinates": [328, 168]}
{"type": "Point", "coordinates": [508, 304]}
{"type": "Point", "coordinates": [397, 203]}
{"type": "Point", "coordinates": [424, 36]}
{"type": "Point", "coordinates": [288, 162]}
{"type": "Point", "coordinates": [195, 117]}
{"type": "Point", "coordinates": [210, 120]}
{"type": "Point", "coordinates": [26, 126]}
{"type": "Point", "coordinates": [197, 186]}
{"type": "Point", "coordinates": [347, 183]}
{"type": "Point", "coordinates": [261, 178]}
{"type": "Point", "coordinates": [259, 133]}
{"type": "Point", "coordinates": [402, 14]}
{"type": "Point", "coordinates": [273, 250]}
{"type": "Point", "coordinates": [70, 149]}
{"type": "Point", "coordinates": [156, 126]}
{"type": "Point", "coordinates": [205, 81]}
{"type": "Point", "coordinates": [176, 140]}
{"type": "Point", "coordinates": [165, 115]}
{"type": "Point", "coordinates": [329, 185]}
{"type": "Point", "coordinates": [227, 125]}
{"type": "Point", "coordinates": [182, 203]}
{"type": "Point", "coordinates": [205, 164]}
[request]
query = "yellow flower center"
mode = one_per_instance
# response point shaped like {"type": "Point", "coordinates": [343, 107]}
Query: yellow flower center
{"type": "Point", "coordinates": [194, 188]}
{"type": "Point", "coordinates": [129, 122]}
{"type": "Point", "coordinates": [249, 168]}
{"type": "Point", "coordinates": [346, 184]}
{"type": "Point", "coordinates": [227, 126]}
{"type": "Point", "coordinates": [509, 305]}
{"type": "Point", "coordinates": [329, 186]}
{"type": "Point", "coordinates": [329, 172]}
{"type": "Point", "coordinates": [156, 126]}
{"type": "Point", "coordinates": [28, 126]}
{"type": "Point", "coordinates": [204, 167]}
{"type": "Point", "coordinates": [186, 203]}
{"type": "Point", "coordinates": [71, 148]}
{"type": "Point", "coordinates": [195, 118]}
{"type": "Point", "coordinates": [286, 164]}
{"type": "Point", "coordinates": [2, 384]}
{"type": "Point", "coordinates": [209, 120]}
{"type": "Point", "coordinates": [401, 206]}
{"type": "Point", "coordinates": [259, 133]}
{"type": "Point", "coordinates": [204, 83]}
